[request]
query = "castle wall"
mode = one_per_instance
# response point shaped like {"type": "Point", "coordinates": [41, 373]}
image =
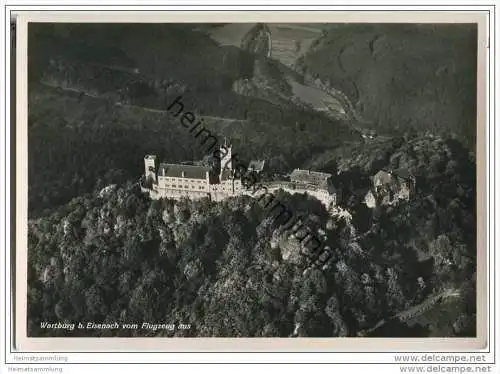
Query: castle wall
{"type": "Point", "coordinates": [186, 184]}
{"type": "Point", "coordinates": [174, 187]}
{"type": "Point", "coordinates": [174, 194]}
{"type": "Point", "coordinates": [225, 189]}
{"type": "Point", "coordinates": [326, 198]}
{"type": "Point", "coordinates": [323, 196]}
{"type": "Point", "coordinates": [178, 194]}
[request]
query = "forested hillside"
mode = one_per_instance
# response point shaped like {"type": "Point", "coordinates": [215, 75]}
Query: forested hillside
{"type": "Point", "coordinates": [402, 77]}
{"type": "Point", "coordinates": [117, 256]}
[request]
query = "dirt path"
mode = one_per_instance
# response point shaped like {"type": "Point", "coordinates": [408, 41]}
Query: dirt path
{"type": "Point", "coordinates": [416, 310]}
{"type": "Point", "coordinates": [131, 106]}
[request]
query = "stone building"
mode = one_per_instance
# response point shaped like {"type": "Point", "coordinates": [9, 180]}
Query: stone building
{"type": "Point", "coordinates": [314, 183]}
{"type": "Point", "coordinates": [389, 187]}
{"type": "Point", "coordinates": [310, 178]}
{"type": "Point", "coordinates": [176, 181]}
{"type": "Point", "coordinates": [195, 182]}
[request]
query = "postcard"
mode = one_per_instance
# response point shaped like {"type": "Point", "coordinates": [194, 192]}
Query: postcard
{"type": "Point", "coordinates": [238, 181]}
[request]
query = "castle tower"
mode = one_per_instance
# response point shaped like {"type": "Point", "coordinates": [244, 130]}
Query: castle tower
{"type": "Point", "coordinates": [226, 162]}
{"type": "Point", "coordinates": [150, 167]}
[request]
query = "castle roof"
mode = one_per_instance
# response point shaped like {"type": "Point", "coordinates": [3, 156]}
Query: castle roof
{"type": "Point", "coordinates": [183, 171]}
{"type": "Point", "coordinates": [310, 177]}
{"type": "Point", "coordinates": [257, 165]}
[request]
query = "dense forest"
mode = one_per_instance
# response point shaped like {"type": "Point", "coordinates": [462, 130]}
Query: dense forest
{"type": "Point", "coordinates": [117, 256]}
{"type": "Point", "coordinates": [101, 251]}
{"type": "Point", "coordinates": [402, 77]}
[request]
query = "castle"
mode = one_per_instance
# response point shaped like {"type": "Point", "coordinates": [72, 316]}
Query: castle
{"type": "Point", "coordinates": [192, 181]}
{"type": "Point", "coordinates": [176, 181]}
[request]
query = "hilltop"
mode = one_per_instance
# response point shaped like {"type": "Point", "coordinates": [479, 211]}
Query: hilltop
{"type": "Point", "coordinates": [115, 255]}
{"type": "Point", "coordinates": [109, 87]}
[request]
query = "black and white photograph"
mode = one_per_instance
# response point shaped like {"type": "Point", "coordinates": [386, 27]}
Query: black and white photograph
{"type": "Point", "coordinates": [252, 180]}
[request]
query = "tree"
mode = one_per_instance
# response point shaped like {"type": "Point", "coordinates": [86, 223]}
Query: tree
{"type": "Point", "coordinates": [95, 303]}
